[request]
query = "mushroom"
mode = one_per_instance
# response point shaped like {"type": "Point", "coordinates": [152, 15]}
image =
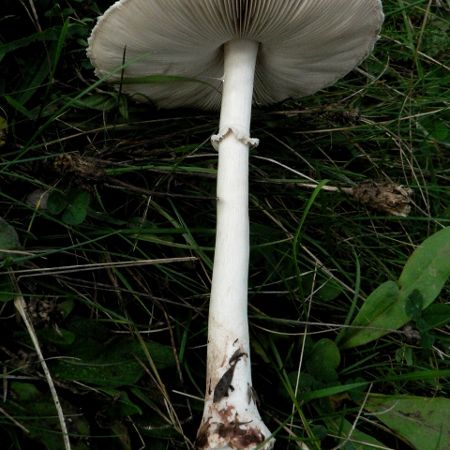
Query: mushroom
{"type": "Point", "coordinates": [226, 53]}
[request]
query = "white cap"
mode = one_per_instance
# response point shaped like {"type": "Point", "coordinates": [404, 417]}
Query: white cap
{"type": "Point", "coordinates": [305, 45]}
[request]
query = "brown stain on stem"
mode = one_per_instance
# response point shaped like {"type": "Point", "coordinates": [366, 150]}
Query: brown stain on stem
{"type": "Point", "coordinates": [232, 432]}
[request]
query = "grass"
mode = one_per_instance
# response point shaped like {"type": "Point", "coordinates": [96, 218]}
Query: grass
{"type": "Point", "coordinates": [108, 212]}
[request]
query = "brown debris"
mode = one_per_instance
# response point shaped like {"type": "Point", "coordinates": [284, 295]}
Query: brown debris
{"type": "Point", "coordinates": [80, 166]}
{"type": "Point", "coordinates": [43, 311]}
{"type": "Point", "coordinates": [383, 196]}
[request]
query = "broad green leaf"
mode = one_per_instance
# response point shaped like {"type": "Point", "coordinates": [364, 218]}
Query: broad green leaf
{"type": "Point", "coordinates": [108, 370]}
{"type": "Point", "coordinates": [77, 208]}
{"type": "Point", "coordinates": [18, 106]}
{"type": "Point", "coordinates": [25, 392]}
{"type": "Point", "coordinates": [436, 315]}
{"type": "Point", "coordinates": [329, 291]}
{"type": "Point", "coordinates": [325, 290]}
{"type": "Point", "coordinates": [126, 407]}
{"type": "Point", "coordinates": [91, 338]}
{"type": "Point", "coordinates": [9, 239]}
{"type": "Point", "coordinates": [57, 336]}
{"type": "Point", "coordinates": [121, 404]}
{"type": "Point", "coordinates": [414, 304]}
{"type": "Point", "coordinates": [392, 305]}
{"type": "Point", "coordinates": [56, 202]}
{"type": "Point", "coordinates": [372, 321]}
{"type": "Point", "coordinates": [351, 436]}
{"type": "Point", "coordinates": [421, 421]}
{"type": "Point", "coordinates": [38, 415]}
{"type": "Point", "coordinates": [116, 365]}
{"type": "Point", "coordinates": [427, 269]}
{"type": "Point", "coordinates": [118, 373]}
{"type": "Point", "coordinates": [48, 432]}
{"type": "Point", "coordinates": [324, 360]}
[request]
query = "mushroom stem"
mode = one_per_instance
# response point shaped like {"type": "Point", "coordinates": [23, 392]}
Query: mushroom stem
{"type": "Point", "coordinates": [231, 418]}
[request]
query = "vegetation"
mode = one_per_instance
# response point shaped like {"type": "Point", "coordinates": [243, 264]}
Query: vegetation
{"type": "Point", "coordinates": [107, 216]}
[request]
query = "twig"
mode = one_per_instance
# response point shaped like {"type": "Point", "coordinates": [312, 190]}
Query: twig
{"type": "Point", "coordinates": [21, 307]}
{"type": "Point", "coordinates": [94, 266]}
{"type": "Point", "coordinates": [14, 421]}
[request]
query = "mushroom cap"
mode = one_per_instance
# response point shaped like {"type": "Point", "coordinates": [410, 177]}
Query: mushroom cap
{"type": "Point", "coordinates": [305, 45]}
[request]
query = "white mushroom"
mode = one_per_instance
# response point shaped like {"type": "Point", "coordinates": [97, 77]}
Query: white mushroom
{"type": "Point", "coordinates": [228, 52]}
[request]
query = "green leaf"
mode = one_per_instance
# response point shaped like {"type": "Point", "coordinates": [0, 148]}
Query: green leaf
{"type": "Point", "coordinates": [7, 292]}
{"type": "Point", "coordinates": [414, 304]}
{"type": "Point", "coordinates": [77, 208]}
{"type": "Point", "coordinates": [436, 315]}
{"type": "Point", "coordinates": [99, 102]}
{"type": "Point", "coordinates": [439, 131]}
{"type": "Point", "coordinates": [427, 269]}
{"type": "Point", "coordinates": [66, 307]}
{"type": "Point", "coordinates": [329, 291]}
{"type": "Point", "coordinates": [114, 364]}
{"type": "Point", "coordinates": [38, 415]}
{"type": "Point", "coordinates": [392, 305]}
{"type": "Point", "coordinates": [372, 321]}
{"type": "Point", "coordinates": [34, 79]}
{"type": "Point", "coordinates": [126, 406]}
{"type": "Point", "coordinates": [422, 422]}
{"type": "Point", "coordinates": [56, 202]}
{"type": "Point", "coordinates": [18, 106]}
{"type": "Point", "coordinates": [9, 239]}
{"type": "Point", "coordinates": [57, 336]}
{"type": "Point", "coordinates": [25, 392]}
{"type": "Point", "coordinates": [349, 434]}
{"type": "Point", "coordinates": [108, 370]}
{"type": "Point", "coordinates": [404, 354]}
{"type": "Point", "coordinates": [121, 404]}
{"type": "Point", "coordinates": [332, 390]}
{"type": "Point", "coordinates": [59, 46]}
{"type": "Point", "coordinates": [325, 290]}
{"type": "Point", "coordinates": [324, 360]}
{"type": "Point", "coordinates": [47, 35]}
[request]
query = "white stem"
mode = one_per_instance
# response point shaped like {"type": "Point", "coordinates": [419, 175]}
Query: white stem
{"type": "Point", "coordinates": [231, 418]}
